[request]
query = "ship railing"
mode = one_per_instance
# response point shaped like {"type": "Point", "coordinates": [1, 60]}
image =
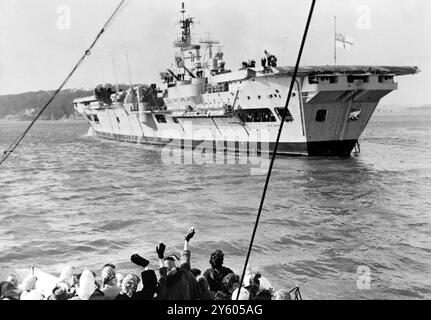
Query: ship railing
{"type": "Point", "coordinates": [296, 293]}
{"type": "Point", "coordinates": [156, 111]}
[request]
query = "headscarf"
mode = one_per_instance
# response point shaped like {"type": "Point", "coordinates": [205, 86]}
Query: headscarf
{"type": "Point", "coordinates": [248, 280]}
{"type": "Point", "coordinates": [282, 294]}
{"type": "Point", "coordinates": [265, 285]}
{"type": "Point", "coordinates": [243, 294]}
{"type": "Point", "coordinates": [249, 277]}
{"type": "Point", "coordinates": [66, 276]}
{"type": "Point", "coordinates": [29, 283]}
{"type": "Point", "coordinates": [108, 274]}
{"type": "Point", "coordinates": [87, 285]}
{"type": "Point", "coordinates": [130, 284]}
{"type": "Point", "coordinates": [12, 279]}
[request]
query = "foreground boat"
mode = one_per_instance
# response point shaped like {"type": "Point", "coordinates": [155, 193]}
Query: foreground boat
{"type": "Point", "coordinates": [203, 104]}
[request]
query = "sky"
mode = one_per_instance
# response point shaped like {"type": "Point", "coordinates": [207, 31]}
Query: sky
{"type": "Point", "coordinates": [40, 41]}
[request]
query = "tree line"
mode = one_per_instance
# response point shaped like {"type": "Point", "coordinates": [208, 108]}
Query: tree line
{"type": "Point", "coordinates": [60, 108]}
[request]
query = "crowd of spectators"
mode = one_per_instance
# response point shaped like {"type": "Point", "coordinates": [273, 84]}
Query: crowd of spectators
{"type": "Point", "coordinates": [176, 280]}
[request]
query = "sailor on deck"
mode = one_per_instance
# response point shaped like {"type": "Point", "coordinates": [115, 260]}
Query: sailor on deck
{"type": "Point", "coordinates": [270, 58]}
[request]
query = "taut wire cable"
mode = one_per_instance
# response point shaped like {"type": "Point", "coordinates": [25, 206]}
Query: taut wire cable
{"type": "Point", "coordinates": [274, 154]}
{"type": "Point", "coordinates": [18, 140]}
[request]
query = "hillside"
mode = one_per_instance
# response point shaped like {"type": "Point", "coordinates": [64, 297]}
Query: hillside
{"type": "Point", "coordinates": [424, 107]}
{"type": "Point", "coordinates": [31, 102]}
{"type": "Point", "coordinates": [20, 104]}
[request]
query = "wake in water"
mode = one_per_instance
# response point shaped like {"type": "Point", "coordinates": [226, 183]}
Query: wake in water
{"type": "Point", "coordinates": [90, 133]}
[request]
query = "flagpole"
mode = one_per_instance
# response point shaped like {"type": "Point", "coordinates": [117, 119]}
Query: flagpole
{"type": "Point", "coordinates": [335, 42]}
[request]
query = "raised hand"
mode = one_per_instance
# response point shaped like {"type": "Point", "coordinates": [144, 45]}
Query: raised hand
{"type": "Point", "coordinates": [190, 234]}
{"type": "Point", "coordinates": [160, 249]}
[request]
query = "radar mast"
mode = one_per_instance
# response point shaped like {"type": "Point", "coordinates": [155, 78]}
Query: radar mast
{"type": "Point", "coordinates": [209, 44]}
{"type": "Point", "coordinates": [186, 35]}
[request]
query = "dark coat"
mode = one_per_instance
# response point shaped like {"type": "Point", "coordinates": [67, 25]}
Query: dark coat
{"type": "Point", "coordinates": [149, 282]}
{"type": "Point", "coordinates": [123, 296]}
{"type": "Point", "coordinates": [263, 295]}
{"type": "Point", "coordinates": [179, 283]}
{"type": "Point", "coordinates": [208, 295]}
{"type": "Point", "coordinates": [215, 277]}
{"type": "Point", "coordinates": [8, 291]}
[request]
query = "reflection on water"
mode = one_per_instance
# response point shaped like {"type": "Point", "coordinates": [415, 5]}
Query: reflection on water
{"type": "Point", "coordinates": [67, 197]}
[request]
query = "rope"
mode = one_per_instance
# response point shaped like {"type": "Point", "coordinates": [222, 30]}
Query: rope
{"type": "Point", "coordinates": [296, 292]}
{"type": "Point", "coordinates": [295, 73]}
{"type": "Point", "coordinates": [18, 140]}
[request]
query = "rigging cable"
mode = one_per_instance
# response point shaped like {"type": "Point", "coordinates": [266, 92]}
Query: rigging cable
{"type": "Point", "coordinates": [274, 154]}
{"type": "Point", "coordinates": [18, 140]}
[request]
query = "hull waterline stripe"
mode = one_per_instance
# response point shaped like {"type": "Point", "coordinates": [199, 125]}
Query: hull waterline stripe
{"type": "Point", "coordinates": [330, 148]}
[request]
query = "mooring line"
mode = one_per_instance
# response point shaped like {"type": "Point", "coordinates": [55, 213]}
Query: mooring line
{"type": "Point", "coordinates": [268, 177]}
{"type": "Point", "coordinates": [18, 140]}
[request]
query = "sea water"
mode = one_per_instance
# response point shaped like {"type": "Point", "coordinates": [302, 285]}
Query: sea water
{"type": "Point", "coordinates": [357, 228]}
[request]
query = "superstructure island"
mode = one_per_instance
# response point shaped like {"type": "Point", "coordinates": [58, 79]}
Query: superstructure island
{"type": "Point", "coordinates": [202, 102]}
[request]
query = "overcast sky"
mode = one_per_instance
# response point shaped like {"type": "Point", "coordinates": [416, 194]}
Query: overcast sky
{"type": "Point", "coordinates": [38, 48]}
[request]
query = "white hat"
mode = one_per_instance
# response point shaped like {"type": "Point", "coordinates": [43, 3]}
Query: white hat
{"type": "Point", "coordinates": [87, 285]}
{"type": "Point", "coordinates": [243, 294]}
{"type": "Point", "coordinates": [264, 284]}
{"type": "Point", "coordinates": [29, 283]}
{"type": "Point", "coordinates": [248, 279]}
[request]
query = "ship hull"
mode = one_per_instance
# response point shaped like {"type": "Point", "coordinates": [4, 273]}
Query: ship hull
{"type": "Point", "coordinates": [312, 149]}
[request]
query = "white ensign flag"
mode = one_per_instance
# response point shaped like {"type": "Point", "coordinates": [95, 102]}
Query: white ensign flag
{"type": "Point", "coordinates": [343, 41]}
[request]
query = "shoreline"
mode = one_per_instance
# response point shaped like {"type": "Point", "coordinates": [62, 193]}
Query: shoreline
{"type": "Point", "coordinates": [60, 120]}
